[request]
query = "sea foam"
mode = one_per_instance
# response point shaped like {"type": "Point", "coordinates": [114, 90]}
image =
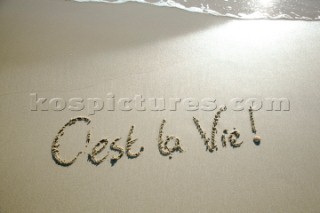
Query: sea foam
{"type": "Point", "coordinates": [243, 9]}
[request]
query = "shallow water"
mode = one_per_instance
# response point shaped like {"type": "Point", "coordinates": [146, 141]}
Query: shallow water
{"type": "Point", "coordinates": [244, 9]}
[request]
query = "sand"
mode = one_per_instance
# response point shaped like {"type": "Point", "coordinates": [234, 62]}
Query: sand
{"type": "Point", "coordinates": [63, 49]}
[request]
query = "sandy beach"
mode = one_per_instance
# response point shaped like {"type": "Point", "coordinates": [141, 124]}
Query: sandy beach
{"type": "Point", "coordinates": [65, 49]}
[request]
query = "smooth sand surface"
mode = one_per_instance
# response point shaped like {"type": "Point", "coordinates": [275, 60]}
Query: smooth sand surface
{"type": "Point", "coordinates": [66, 49]}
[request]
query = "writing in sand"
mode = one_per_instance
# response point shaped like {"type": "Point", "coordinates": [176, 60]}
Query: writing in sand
{"type": "Point", "coordinates": [167, 145]}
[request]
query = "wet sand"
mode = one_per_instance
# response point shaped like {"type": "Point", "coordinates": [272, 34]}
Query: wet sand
{"type": "Point", "coordinates": [66, 49]}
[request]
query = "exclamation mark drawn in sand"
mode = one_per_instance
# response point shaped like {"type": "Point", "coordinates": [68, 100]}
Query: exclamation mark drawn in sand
{"type": "Point", "coordinates": [256, 138]}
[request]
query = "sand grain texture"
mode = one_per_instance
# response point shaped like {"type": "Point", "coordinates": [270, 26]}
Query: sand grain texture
{"type": "Point", "coordinates": [66, 49]}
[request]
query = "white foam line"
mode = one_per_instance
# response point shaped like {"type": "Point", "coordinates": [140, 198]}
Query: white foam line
{"type": "Point", "coordinates": [207, 10]}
